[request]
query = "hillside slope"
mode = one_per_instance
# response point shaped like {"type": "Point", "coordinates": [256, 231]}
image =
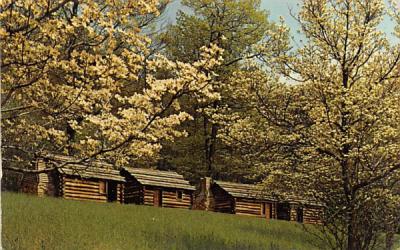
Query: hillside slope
{"type": "Point", "coordinates": [30, 222]}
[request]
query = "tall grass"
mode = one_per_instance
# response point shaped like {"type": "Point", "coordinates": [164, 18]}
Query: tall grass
{"type": "Point", "coordinates": [49, 223]}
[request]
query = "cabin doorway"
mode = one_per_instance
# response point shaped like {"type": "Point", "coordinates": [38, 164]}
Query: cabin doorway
{"type": "Point", "coordinates": [157, 198]}
{"type": "Point", "coordinates": [299, 212]}
{"type": "Point", "coordinates": [111, 191]}
{"type": "Point", "coordinates": [266, 210]}
{"type": "Point", "coordinates": [283, 211]}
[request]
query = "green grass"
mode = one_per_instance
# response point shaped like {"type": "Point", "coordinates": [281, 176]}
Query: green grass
{"type": "Point", "coordinates": [30, 222]}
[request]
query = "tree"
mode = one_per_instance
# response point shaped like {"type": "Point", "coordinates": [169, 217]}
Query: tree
{"type": "Point", "coordinates": [333, 134]}
{"type": "Point", "coordinates": [242, 29]}
{"type": "Point", "coordinates": [73, 82]}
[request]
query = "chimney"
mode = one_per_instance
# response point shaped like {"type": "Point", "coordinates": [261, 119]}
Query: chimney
{"type": "Point", "coordinates": [206, 190]}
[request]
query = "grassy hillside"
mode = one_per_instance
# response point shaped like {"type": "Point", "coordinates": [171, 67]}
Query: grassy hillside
{"type": "Point", "coordinates": [48, 223]}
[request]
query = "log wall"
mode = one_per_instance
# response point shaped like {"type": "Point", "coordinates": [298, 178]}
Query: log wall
{"type": "Point", "coordinates": [293, 213]}
{"type": "Point", "coordinates": [312, 215]}
{"type": "Point", "coordinates": [87, 189]}
{"type": "Point", "coordinates": [148, 196]}
{"type": "Point", "coordinates": [47, 184]}
{"type": "Point", "coordinates": [168, 197]}
{"type": "Point", "coordinates": [254, 208]}
{"type": "Point", "coordinates": [247, 207]}
{"type": "Point", "coordinates": [273, 212]}
{"type": "Point", "coordinates": [82, 189]}
{"type": "Point", "coordinates": [29, 183]}
{"type": "Point", "coordinates": [133, 191]}
{"type": "Point", "coordinates": [120, 193]}
{"type": "Point", "coordinates": [221, 200]}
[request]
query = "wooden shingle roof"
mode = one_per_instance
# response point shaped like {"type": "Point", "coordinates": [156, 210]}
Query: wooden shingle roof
{"type": "Point", "coordinates": [238, 190]}
{"type": "Point", "coordinates": [88, 171]}
{"type": "Point", "coordinates": [93, 169]}
{"type": "Point", "coordinates": [151, 177]}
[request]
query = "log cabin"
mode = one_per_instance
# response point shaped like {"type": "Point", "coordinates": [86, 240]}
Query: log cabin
{"type": "Point", "coordinates": [94, 181]}
{"type": "Point", "coordinates": [301, 209]}
{"type": "Point", "coordinates": [253, 200]}
{"type": "Point", "coordinates": [235, 198]}
{"type": "Point", "coordinates": [157, 188]}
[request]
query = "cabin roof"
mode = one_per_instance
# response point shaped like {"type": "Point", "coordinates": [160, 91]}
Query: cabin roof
{"type": "Point", "coordinates": [152, 177]}
{"type": "Point", "coordinates": [303, 200]}
{"type": "Point", "coordinates": [89, 171]}
{"type": "Point", "coordinates": [93, 169]}
{"type": "Point", "coordinates": [239, 190]}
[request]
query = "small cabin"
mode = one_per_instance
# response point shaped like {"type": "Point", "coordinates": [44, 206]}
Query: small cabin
{"type": "Point", "coordinates": [157, 188]}
{"type": "Point", "coordinates": [252, 200]}
{"type": "Point", "coordinates": [94, 181]}
{"type": "Point", "coordinates": [235, 198]}
{"type": "Point", "coordinates": [302, 210]}
{"type": "Point", "coordinates": [40, 184]}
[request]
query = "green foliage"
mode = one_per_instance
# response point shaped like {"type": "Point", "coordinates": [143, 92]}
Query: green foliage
{"type": "Point", "coordinates": [242, 23]}
{"type": "Point", "coordinates": [332, 134]}
{"type": "Point", "coordinates": [47, 223]}
{"type": "Point", "coordinates": [242, 29]}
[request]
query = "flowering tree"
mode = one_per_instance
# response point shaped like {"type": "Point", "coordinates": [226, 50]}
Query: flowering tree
{"type": "Point", "coordinates": [243, 30]}
{"type": "Point", "coordinates": [75, 81]}
{"type": "Point", "coordinates": [333, 134]}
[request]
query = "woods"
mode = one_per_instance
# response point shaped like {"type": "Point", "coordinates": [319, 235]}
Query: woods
{"type": "Point", "coordinates": [224, 92]}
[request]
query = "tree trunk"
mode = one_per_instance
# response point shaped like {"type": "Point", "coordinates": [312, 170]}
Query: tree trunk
{"type": "Point", "coordinates": [389, 240]}
{"type": "Point", "coordinates": [350, 235]}
{"type": "Point", "coordinates": [212, 147]}
{"type": "Point", "coordinates": [210, 143]}
{"type": "Point", "coordinates": [206, 147]}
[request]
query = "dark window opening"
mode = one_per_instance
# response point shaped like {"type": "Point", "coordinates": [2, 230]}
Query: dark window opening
{"type": "Point", "coordinates": [263, 208]}
{"type": "Point", "coordinates": [283, 211]}
{"type": "Point", "coordinates": [179, 195]}
{"type": "Point", "coordinates": [299, 212]}
{"type": "Point", "coordinates": [111, 191]}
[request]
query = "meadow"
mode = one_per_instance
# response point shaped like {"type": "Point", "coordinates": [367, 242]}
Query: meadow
{"type": "Point", "coordinates": [31, 222]}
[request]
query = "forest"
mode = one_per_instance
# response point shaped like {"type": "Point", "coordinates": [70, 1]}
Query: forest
{"type": "Point", "coordinates": [223, 92]}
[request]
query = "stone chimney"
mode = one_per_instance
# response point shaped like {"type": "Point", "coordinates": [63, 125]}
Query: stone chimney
{"type": "Point", "coordinates": [204, 199]}
{"type": "Point", "coordinates": [46, 180]}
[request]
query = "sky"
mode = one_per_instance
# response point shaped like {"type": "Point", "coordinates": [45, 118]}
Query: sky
{"type": "Point", "coordinates": [277, 8]}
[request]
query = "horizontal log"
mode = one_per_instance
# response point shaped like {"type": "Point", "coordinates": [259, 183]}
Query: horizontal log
{"type": "Point", "coordinates": [172, 206]}
{"type": "Point", "coordinates": [249, 211]}
{"type": "Point", "coordinates": [248, 207]}
{"type": "Point", "coordinates": [249, 203]}
{"type": "Point", "coordinates": [81, 187]}
{"type": "Point", "coordinates": [76, 185]}
{"type": "Point", "coordinates": [82, 192]}
{"type": "Point", "coordinates": [175, 202]}
{"type": "Point", "coordinates": [87, 189]}
{"type": "Point", "coordinates": [89, 196]}
{"type": "Point", "coordinates": [83, 181]}
{"type": "Point", "coordinates": [223, 205]}
{"type": "Point", "coordinates": [175, 195]}
{"type": "Point", "coordinates": [175, 199]}
{"type": "Point", "coordinates": [252, 215]}
{"type": "Point", "coordinates": [85, 199]}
